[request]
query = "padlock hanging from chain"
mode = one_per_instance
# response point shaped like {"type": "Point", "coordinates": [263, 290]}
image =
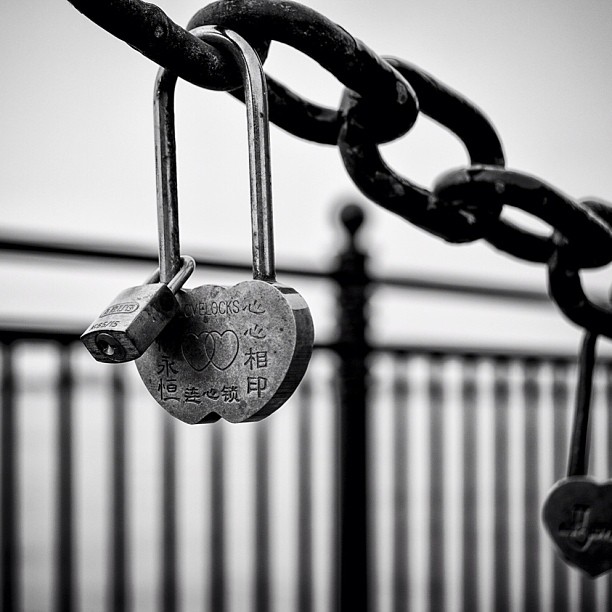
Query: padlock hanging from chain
{"type": "Point", "coordinates": [232, 352]}
{"type": "Point", "coordinates": [578, 510]}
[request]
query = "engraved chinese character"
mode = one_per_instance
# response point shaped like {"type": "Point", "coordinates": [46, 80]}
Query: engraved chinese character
{"type": "Point", "coordinates": [254, 307]}
{"type": "Point", "coordinates": [230, 394]}
{"type": "Point", "coordinates": [167, 390]}
{"type": "Point", "coordinates": [165, 367]}
{"type": "Point", "coordinates": [256, 359]}
{"type": "Point", "coordinates": [212, 394]}
{"type": "Point", "coordinates": [192, 394]}
{"type": "Point", "coordinates": [256, 332]}
{"type": "Point", "coordinates": [256, 384]}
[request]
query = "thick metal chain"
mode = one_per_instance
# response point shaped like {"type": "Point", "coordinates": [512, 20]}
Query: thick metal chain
{"type": "Point", "coordinates": [381, 102]}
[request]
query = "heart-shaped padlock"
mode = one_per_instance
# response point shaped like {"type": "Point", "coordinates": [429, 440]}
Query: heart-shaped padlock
{"type": "Point", "coordinates": [578, 510]}
{"type": "Point", "coordinates": [232, 352]}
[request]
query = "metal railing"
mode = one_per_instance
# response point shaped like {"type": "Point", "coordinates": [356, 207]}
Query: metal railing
{"type": "Point", "coordinates": [408, 477]}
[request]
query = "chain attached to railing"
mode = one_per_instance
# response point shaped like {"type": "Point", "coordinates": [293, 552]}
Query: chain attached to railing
{"type": "Point", "coordinates": [381, 102]}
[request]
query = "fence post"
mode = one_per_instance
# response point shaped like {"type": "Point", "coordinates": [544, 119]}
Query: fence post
{"type": "Point", "coordinates": [9, 486]}
{"type": "Point", "coordinates": [352, 349]}
{"type": "Point", "coordinates": [65, 568]}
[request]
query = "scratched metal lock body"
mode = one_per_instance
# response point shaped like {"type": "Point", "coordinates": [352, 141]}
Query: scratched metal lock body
{"type": "Point", "coordinates": [233, 352]}
{"type": "Point", "coordinates": [123, 331]}
{"type": "Point", "coordinates": [238, 352]}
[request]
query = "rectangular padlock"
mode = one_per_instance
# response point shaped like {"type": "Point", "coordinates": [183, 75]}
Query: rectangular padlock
{"type": "Point", "coordinates": [123, 331]}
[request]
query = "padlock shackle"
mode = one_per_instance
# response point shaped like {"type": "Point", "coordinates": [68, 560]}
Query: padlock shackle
{"type": "Point", "coordinates": [166, 175]}
{"type": "Point", "coordinates": [259, 158]}
{"type": "Point", "coordinates": [180, 278]}
{"type": "Point", "coordinates": [578, 460]}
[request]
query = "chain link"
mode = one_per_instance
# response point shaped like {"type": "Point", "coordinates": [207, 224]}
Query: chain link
{"type": "Point", "coordinates": [478, 187]}
{"type": "Point", "coordinates": [381, 102]}
{"type": "Point", "coordinates": [389, 112]}
{"type": "Point", "coordinates": [565, 288]}
{"type": "Point", "coordinates": [384, 186]}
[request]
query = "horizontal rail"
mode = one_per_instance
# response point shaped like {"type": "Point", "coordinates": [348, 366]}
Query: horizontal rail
{"type": "Point", "coordinates": [123, 252]}
{"type": "Point", "coordinates": [468, 289]}
{"type": "Point", "coordinates": [499, 353]}
{"type": "Point", "coordinates": [13, 331]}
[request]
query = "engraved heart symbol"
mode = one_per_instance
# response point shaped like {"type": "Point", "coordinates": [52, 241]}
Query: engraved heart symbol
{"type": "Point", "coordinates": [578, 517]}
{"type": "Point", "coordinates": [198, 350]}
{"type": "Point", "coordinates": [232, 352]}
{"type": "Point", "coordinates": [210, 347]}
{"type": "Point", "coordinates": [226, 348]}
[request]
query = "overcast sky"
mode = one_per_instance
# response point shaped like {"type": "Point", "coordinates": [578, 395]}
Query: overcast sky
{"type": "Point", "coordinates": [77, 152]}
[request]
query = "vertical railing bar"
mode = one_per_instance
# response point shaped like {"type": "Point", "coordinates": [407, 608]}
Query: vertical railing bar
{"type": "Point", "coordinates": [560, 396]}
{"type": "Point", "coordinates": [262, 518]}
{"type": "Point", "coordinates": [65, 579]}
{"type": "Point", "coordinates": [436, 573]}
{"type": "Point", "coordinates": [501, 539]}
{"type": "Point", "coordinates": [588, 593]}
{"type": "Point", "coordinates": [336, 502]}
{"type": "Point", "coordinates": [305, 521]}
{"type": "Point", "coordinates": [9, 534]}
{"type": "Point", "coordinates": [401, 592]}
{"type": "Point", "coordinates": [119, 570]}
{"type": "Point", "coordinates": [608, 463]}
{"type": "Point", "coordinates": [608, 403]}
{"type": "Point", "coordinates": [168, 566]}
{"type": "Point", "coordinates": [353, 349]}
{"type": "Point", "coordinates": [531, 557]}
{"type": "Point", "coordinates": [401, 585]}
{"type": "Point", "coordinates": [218, 524]}
{"type": "Point", "coordinates": [353, 504]}
{"type": "Point", "coordinates": [469, 565]}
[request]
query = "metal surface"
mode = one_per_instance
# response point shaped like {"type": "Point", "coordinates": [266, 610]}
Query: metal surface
{"type": "Point", "coordinates": [233, 352]}
{"type": "Point", "coordinates": [464, 205]}
{"type": "Point", "coordinates": [501, 492]}
{"type": "Point", "coordinates": [578, 510]}
{"type": "Point", "coordinates": [187, 266]}
{"type": "Point", "coordinates": [381, 102]}
{"type": "Point", "coordinates": [236, 352]}
{"type": "Point", "coordinates": [125, 330]}
{"type": "Point", "coordinates": [578, 461]}
{"type": "Point", "coordinates": [390, 107]}
{"type": "Point", "coordinates": [210, 556]}
{"type": "Point", "coordinates": [166, 177]}
{"type": "Point", "coordinates": [259, 158]}
{"type": "Point", "coordinates": [10, 472]}
{"type": "Point", "coordinates": [578, 515]}
{"type": "Point", "coordinates": [66, 595]}
{"type": "Point", "coordinates": [119, 570]}
{"type": "Point", "coordinates": [565, 288]}
{"type": "Point", "coordinates": [377, 181]}
{"type": "Point", "coordinates": [355, 577]}
{"type": "Point", "coordinates": [146, 28]}
{"type": "Point", "coordinates": [531, 553]}
{"type": "Point", "coordinates": [579, 224]}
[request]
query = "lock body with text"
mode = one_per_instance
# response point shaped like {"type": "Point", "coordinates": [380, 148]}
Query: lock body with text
{"type": "Point", "coordinates": [238, 352]}
{"type": "Point", "coordinates": [125, 330]}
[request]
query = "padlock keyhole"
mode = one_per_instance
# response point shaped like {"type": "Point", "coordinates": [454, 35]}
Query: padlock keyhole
{"type": "Point", "coordinates": [110, 347]}
{"type": "Point", "coordinates": [107, 349]}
